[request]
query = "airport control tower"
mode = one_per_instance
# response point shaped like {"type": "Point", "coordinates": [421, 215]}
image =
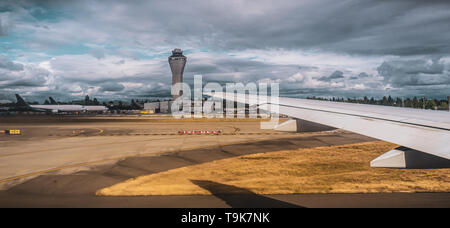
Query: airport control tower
{"type": "Point", "coordinates": [177, 61]}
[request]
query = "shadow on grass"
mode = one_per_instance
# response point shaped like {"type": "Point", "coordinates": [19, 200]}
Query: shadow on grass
{"type": "Point", "coordinates": [241, 197]}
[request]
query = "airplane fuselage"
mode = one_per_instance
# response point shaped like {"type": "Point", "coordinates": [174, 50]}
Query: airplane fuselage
{"type": "Point", "coordinates": [95, 108]}
{"type": "Point", "coordinates": [69, 108]}
{"type": "Point", "coordinates": [58, 108]}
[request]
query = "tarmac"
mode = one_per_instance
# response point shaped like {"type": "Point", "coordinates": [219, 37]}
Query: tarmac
{"type": "Point", "coordinates": [62, 162]}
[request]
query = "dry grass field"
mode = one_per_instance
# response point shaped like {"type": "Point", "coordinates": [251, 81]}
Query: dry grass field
{"type": "Point", "coordinates": [330, 169]}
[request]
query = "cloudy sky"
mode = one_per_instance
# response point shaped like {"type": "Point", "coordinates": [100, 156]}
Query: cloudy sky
{"type": "Point", "coordinates": [119, 49]}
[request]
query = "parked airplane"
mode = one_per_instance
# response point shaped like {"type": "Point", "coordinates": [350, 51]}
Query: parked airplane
{"type": "Point", "coordinates": [423, 135]}
{"type": "Point", "coordinates": [95, 108]}
{"type": "Point", "coordinates": [56, 108]}
{"type": "Point", "coordinates": [89, 108]}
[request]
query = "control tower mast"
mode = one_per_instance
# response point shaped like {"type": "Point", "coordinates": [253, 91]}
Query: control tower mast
{"type": "Point", "coordinates": [177, 61]}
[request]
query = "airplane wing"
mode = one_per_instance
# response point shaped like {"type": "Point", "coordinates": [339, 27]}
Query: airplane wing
{"type": "Point", "coordinates": [425, 131]}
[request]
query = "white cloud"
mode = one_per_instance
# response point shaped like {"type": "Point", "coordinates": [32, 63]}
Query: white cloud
{"type": "Point", "coordinates": [298, 77]}
{"type": "Point", "coordinates": [90, 44]}
{"type": "Point", "coordinates": [359, 86]}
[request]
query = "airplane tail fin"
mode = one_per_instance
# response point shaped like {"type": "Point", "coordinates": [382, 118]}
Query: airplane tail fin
{"type": "Point", "coordinates": [21, 101]}
{"type": "Point", "coordinates": [52, 101]}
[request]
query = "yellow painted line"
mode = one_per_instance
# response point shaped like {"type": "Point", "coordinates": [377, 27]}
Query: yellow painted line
{"type": "Point", "coordinates": [12, 132]}
{"type": "Point", "coordinates": [99, 131]}
{"type": "Point", "coordinates": [83, 131]}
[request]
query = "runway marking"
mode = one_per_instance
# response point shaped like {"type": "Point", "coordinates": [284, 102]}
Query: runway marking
{"type": "Point", "coordinates": [99, 131]}
{"type": "Point", "coordinates": [78, 132]}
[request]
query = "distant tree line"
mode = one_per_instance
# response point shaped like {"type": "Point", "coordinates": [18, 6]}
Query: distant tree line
{"type": "Point", "coordinates": [420, 103]}
{"type": "Point", "coordinates": [120, 105]}
{"type": "Point", "coordinates": [116, 105]}
{"type": "Point", "coordinates": [415, 102]}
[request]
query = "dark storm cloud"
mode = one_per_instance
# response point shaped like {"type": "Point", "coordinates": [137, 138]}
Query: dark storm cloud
{"type": "Point", "coordinates": [36, 78]}
{"type": "Point", "coordinates": [21, 83]}
{"type": "Point", "coordinates": [229, 69]}
{"type": "Point", "coordinates": [101, 81]}
{"type": "Point", "coordinates": [361, 75]}
{"type": "Point", "coordinates": [146, 30]}
{"type": "Point", "coordinates": [367, 27]}
{"type": "Point", "coordinates": [19, 77]}
{"type": "Point", "coordinates": [120, 62]}
{"type": "Point", "coordinates": [112, 87]}
{"type": "Point", "coordinates": [9, 65]}
{"type": "Point", "coordinates": [335, 75]}
{"type": "Point", "coordinates": [361, 27]}
{"type": "Point", "coordinates": [3, 29]}
{"type": "Point", "coordinates": [153, 94]}
{"type": "Point", "coordinates": [98, 53]}
{"type": "Point", "coordinates": [412, 67]}
{"type": "Point", "coordinates": [418, 72]}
